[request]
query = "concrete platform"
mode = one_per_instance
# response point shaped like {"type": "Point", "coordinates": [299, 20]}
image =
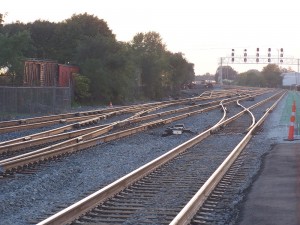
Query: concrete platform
{"type": "Point", "coordinates": [274, 198]}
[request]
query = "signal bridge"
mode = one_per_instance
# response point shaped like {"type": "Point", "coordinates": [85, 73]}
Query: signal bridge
{"type": "Point", "coordinates": [260, 60]}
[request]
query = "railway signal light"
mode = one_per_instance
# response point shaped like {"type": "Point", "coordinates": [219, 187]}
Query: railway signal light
{"type": "Point", "coordinates": [245, 55]}
{"type": "Point", "coordinates": [281, 52]}
{"type": "Point", "coordinates": [232, 55]}
{"type": "Point", "coordinates": [269, 55]}
{"type": "Point", "coordinates": [257, 55]}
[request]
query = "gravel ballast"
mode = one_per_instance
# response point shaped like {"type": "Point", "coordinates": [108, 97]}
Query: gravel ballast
{"type": "Point", "coordinates": [65, 181]}
{"type": "Point", "coordinates": [28, 197]}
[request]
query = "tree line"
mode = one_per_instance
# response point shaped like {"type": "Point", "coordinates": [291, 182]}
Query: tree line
{"type": "Point", "coordinates": [111, 70]}
{"type": "Point", "coordinates": [270, 76]}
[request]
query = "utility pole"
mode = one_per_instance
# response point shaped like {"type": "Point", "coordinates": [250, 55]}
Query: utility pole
{"type": "Point", "coordinates": [221, 71]}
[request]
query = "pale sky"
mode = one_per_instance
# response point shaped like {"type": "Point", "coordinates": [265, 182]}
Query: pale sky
{"type": "Point", "coordinates": [203, 30]}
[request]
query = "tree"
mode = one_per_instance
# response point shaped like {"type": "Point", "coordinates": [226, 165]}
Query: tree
{"type": "Point", "coordinates": [12, 54]}
{"type": "Point", "coordinates": [271, 76]}
{"type": "Point", "coordinates": [180, 72]}
{"type": "Point", "coordinates": [43, 34]}
{"type": "Point", "coordinates": [1, 19]}
{"type": "Point", "coordinates": [151, 61]}
{"type": "Point", "coordinates": [76, 29]}
{"type": "Point", "coordinates": [82, 86]}
{"type": "Point", "coordinates": [108, 64]}
{"type": "Point", "coordinates": [251, 78]}
{"type": "Point", "coordinates": [13, 28]}
{"type": "Point", "coordinates": [118, 71]}
{"type": "Point", "coordinates": [228, 73]}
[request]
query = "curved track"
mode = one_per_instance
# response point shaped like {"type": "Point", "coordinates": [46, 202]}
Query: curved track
{"type": "Point", "coordinates": [150, 191]}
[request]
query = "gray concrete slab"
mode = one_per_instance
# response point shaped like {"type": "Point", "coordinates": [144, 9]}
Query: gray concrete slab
{"type": "Point", "coordinates": [274, 198]}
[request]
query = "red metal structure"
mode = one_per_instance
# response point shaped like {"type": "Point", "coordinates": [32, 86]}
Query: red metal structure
{"type": "Point", "coordinates": [65, 74]}
{"type": "Point", "coordinates": [48, 73]}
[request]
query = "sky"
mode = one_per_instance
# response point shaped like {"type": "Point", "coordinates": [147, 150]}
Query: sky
{"type": "Point", "coordinates": [204, 31]}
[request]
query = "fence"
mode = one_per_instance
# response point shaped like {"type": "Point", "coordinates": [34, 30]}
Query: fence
{"type": "Point", "coordinates": [34, 100]}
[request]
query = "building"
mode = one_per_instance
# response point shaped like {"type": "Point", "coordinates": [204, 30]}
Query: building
{"type": "Point", "coordinates": [290, 79]}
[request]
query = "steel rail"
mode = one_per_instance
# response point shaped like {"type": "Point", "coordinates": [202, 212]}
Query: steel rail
{"type": "Point", "coordinates": [49, 123]}
{"type": "Point", "coordinates": [250, 113]}
{"type": "Point", "coordinates": [88, 119]}
{"type": "Point", "coordinates": [57, 117]}
{"type": "Point", "coordinates": [13, 147]}
{"type": "Point", "coordinates": [70, 115]}
{"type": "Point", "coordinates": [187, 213]}
{"type": "Point", "coordinates": [71, 141]}
{"type": "Point", "coordinates": [34, 156]}
{"type": "Point", "coordinates": [15, 162]}
{"type": "Point", "coordinates": [78, 114]}
{"type": "Point", "coordinates": [31, 141]}
{"type": "Point", "coordinates": [51, 132]}
{"type": "Point", "coordinates": [36, 122]}
{"type": "Point", "coordinates": [224, 123]}
{"type": "Point", "coordinates": [83, 206]}
{"type": "Point", "coordinates": [57, 130]}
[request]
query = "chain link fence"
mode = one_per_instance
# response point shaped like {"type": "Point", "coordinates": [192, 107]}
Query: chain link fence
{"type": "Point", "coordinates": [32, 100]}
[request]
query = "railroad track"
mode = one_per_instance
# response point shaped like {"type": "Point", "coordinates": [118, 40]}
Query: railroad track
{"type": "Point", "coordinates": [37, 122]}
{"type": "Point", "coordinates": [169, 177]}
{"type": "Point", "coordinates": [94, 115]}
{"type": "Point", "coordinates": [82, 139]}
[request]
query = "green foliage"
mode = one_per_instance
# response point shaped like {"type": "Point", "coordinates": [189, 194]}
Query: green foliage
{"type": "Point", "coordinates": [113, 71]}
{"type": "Point", "coordinates": [271, 75]}
{"type": "Point", "coordinates": [43, 34]}
{"type": "Point", "coordinates": [1, 19]}
{"type": "Point", "coordinates": [149, 57]}
{"type": "Point", "coordinates": [76, 29]}
{"type": "Point", "coordinates": [81, 88]}
{"type": "Point", "coordinates": [268, 77]}
{"type": "Point", "coordinates": [251, 78]}
{"type": "Point", "coordinates": [12, 54]}
{"type": "Point", "coordinates": [228, 73]}
{"type": "Point", "coordinates": [160, 72]}
{"type": "Point", "coordinates": [108, 64]}
{"type": "Point", "coordinates": [180, 72]}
